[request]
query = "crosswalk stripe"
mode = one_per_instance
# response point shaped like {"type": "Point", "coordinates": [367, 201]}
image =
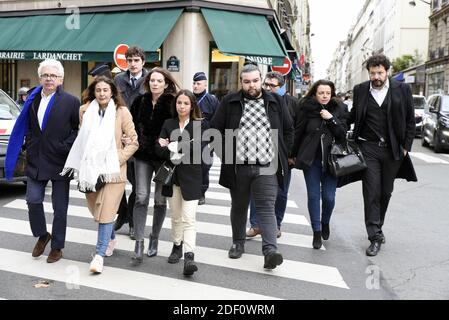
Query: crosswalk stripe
{"type": "Point", "coordinates": [427, 158]}
{"type": "Point", "coordinates": [291, 239]}
{"type": "Point", "coordinates": [129, 187]}
{"type": "Point", "coordinates": [249, 262]}
{"type": "Point", "coordinates": [209, 194]}
{"type": "Point", "coordinates": [137, 284]}
{"type": "Point", "coordinates": [445, 155]}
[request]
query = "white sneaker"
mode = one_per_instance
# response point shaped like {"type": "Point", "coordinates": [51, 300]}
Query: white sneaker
{"type": "Point", "coordinates": [96, 266]}
{"type": "Point", "coordinates": [111, 246]}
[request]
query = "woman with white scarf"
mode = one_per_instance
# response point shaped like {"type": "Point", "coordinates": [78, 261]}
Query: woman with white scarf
{"type": "Point", "coordinates": [99, 157]}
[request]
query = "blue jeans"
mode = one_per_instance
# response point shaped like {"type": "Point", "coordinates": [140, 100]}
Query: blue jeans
{"type": "Point", "coordinates": [279, 207]}
{"type": "Point", "coordinates": [105, 233]}
{"type": "Point", "coordinates": [320, 186]}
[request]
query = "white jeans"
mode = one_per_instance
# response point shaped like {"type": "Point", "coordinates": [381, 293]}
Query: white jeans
{"type": "Point", "coordinates": [183, 220]}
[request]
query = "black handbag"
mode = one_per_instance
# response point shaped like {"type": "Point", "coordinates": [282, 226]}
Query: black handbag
{"type": "Point", "coordinates": [98, 186]}
{"type": "Point", "coordinates": [345, 159]}
{"type": "Point", "coordinates": [164, 174]}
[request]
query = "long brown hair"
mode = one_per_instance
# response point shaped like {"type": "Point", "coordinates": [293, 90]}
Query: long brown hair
{"type": "Point", "coordinates": [168, 78]}
{"type": "Point", "coordinates": [195, 111]}
{"type": "Point", "coordinates": [89, 94]}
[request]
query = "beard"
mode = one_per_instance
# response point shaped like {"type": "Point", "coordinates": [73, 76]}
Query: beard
{"type": "Point", "coordinates": [253, 94]}
{"type": "Point", "coordinates": [378, 83]}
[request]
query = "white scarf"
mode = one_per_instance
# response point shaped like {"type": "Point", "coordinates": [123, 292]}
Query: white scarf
{"type": "Point", "coordinates": [94, 152]}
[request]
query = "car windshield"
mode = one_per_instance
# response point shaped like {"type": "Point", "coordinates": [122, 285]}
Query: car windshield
{"type": "Point", "coordinates": [445, 104]}
{"type": "Point", "coordinates": [419, 102]}
{"type": "Point", "coordinates": [8, 109]}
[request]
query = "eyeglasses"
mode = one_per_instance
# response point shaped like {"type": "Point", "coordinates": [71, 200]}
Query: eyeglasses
{"type": "Point", "coordinates": [49, 76]}
{"type": "Point", "coordinates": [271, 85]}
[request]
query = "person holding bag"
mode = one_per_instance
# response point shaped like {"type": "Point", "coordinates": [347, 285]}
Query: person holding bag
{"type": "Point", "coordinates": [98, 159]}
{"type": "Point", "coordinates": [177, 144]}
{"type": "Point", "coordinates": [320, 121]}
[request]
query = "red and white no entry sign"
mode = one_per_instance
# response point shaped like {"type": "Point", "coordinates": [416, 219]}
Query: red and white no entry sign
{"type": "Point", "coordinates": [119, 56]}
{"type": "Point", "coordinates": [284, 69]}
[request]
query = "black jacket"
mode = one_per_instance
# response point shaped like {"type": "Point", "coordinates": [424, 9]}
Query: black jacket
{"type": "Point", "coordinates": [47, 151]}
{"type": "Point", "coordinates": [228, 116]}
{"type": "Point", "coordinates": [148, 122]}
{"type": "Point", "coordinates": [188, 173]}
{"type": "Point", "coordinates": [401, 125]}
{"type": "Point", "coordinates": [314, 135]}
{"type": "Point", "coordinates": [124, 86]}
{"type": "Point", "coordinates": [293, 107]}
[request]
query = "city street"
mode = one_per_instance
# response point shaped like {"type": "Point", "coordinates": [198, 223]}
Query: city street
{"type": "Point", "coordinates": [413, 264]}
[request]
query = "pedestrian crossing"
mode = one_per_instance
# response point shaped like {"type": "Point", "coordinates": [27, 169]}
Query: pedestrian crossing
{"type": "Point", "coordinates": [218, 278]}
{"type": "Point", "coordinates": [427, 158]}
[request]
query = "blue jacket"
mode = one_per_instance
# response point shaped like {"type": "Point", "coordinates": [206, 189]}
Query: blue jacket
{"type": "Point", "coordinates": [208, 104]}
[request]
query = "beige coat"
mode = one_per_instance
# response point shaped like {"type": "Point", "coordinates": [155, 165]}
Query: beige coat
{"type": "Point", "coordinates": [104, 204]}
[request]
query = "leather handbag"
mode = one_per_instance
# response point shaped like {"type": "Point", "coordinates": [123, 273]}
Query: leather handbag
{"type": "Point", "coordinates": [164, 174]}
{"type": "Point", "coordinates": [345, 159]}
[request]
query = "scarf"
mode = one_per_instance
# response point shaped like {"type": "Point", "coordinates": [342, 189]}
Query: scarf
{"type": "Point", "coordinates": [18, 132]}
{"type": "Point", "coordinates": [94, 154]}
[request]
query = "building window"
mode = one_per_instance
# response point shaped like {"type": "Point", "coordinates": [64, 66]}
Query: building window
{"type": "Point", "coordinates": [224, 73]}
{"type": "Point", "coordinates": [8, 77]}
{"type": "Point", "coordinates": [435, 83]}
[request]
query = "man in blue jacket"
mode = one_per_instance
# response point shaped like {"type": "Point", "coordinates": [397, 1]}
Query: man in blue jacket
{"type": "Point", "coordinates": [49, 121]}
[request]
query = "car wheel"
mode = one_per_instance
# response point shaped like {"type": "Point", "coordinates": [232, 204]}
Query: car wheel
{"type": "Point", "coordinates": [436, 145]}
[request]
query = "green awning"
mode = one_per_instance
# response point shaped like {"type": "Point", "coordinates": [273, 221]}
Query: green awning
{"type": "Point", "coordinates": [244, 34]}
{"type": "Point", "coordinates": [97, 37]}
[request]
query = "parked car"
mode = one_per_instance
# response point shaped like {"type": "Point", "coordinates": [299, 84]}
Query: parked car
{"type": "Point", "coordinates": [435, 131]}
{"type": "Point", "coordinates": [9, 111]}
{"type": "Point", "coordinates": [419, 103]}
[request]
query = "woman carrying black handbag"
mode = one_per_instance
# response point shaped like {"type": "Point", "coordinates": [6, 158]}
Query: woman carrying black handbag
{"type": "Point", "coordinates": [319, 122]}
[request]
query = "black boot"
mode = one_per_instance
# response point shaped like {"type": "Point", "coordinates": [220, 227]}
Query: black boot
{"type": "Point", "coordinates": [159, 213]}
{"type": "Point", "coordinates": [138, 251]}
{"type": "Point", "coordinates": [325, 231]}
{"type": "Point", "coordinates": [176, 253]}
{"type": "Point", "coordinates": [189, 265]}
{"type": "Point", "coordinates": [152, 249]}
{"type": "Point", "coordinates": [317, 240]}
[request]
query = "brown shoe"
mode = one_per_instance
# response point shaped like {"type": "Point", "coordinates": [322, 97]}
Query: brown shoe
{"type": "Point", "coordinates": [55, 255]}
{"type": "Point", "coordinates": [252, 232]}
{"type": "Point", "coordinates": [40, 246]}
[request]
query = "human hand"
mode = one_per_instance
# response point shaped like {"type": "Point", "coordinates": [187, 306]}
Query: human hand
{"type": "Point", "coordinates": [125, 140]}
{"type": "Point", "coordinates": [326, 115]}
{"type": "Point", "coordinates": [163, 142]}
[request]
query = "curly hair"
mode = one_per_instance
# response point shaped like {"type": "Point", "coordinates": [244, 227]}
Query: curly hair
{"type": "Point", "coordinates": [378, 60]}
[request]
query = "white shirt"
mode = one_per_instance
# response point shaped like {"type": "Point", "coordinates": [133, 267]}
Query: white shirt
{"type": "Point", "coordinates": [43, 107]}
{"type": "Point", "coordinates": [380, 94]}
{"type": "Point", "coordinates": [137, 77]}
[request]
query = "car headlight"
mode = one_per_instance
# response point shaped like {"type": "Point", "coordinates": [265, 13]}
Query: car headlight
{"type": "Point", "coordinates": [444, 122]}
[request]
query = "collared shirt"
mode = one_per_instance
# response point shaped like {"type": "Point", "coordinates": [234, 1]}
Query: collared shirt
{"type": "Point", "coordinates": [379, 94]}
{"type": "Point", "coordinates": [43, 106]}
{"type": "Point", "coordinates": [185, 125]}
{"type": "Point", "coordinates": [137, 77]}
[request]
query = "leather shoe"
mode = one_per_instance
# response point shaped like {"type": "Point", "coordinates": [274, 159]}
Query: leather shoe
{"type": "Point", "coordinates": [236, 251]}
{"type": "Point", "coordinates": [40, 245]}
{"type": "Point", "coordinates": [252, 232]}
{"type": "Point", "coordinates": [272, 260]}
{"type": "Point", "coordinates": [325, 231]}
{"type": "Point", "coordinates": [202, 200]}
{"type": "Point", "coordinates": [374, 248]}
{"type": "Point", "coordinates": [55, 255]}
{"type": "Point", "coordinates": [382, 238]}
{"type": "Point", "coordinates": [279, 234]}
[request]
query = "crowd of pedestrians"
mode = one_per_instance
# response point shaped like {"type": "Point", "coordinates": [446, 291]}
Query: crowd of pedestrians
{"type": "Point", "coordinates": [142, 125]}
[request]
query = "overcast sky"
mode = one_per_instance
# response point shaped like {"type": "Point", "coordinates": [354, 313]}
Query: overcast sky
{"type": "Point", "coordinates": [330, 22]}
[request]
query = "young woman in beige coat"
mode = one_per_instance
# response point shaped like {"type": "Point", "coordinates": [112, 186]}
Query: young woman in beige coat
{"type": "Point", "coordinates": [98, 157]}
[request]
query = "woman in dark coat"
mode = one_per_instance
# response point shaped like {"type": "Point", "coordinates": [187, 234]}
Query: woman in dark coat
{"type": "Point", "coordinates": [149, 112]}
{"type": "Point", "coordinates": [180, 142]}
{"type": "Point", "coordinates": [319, 122]}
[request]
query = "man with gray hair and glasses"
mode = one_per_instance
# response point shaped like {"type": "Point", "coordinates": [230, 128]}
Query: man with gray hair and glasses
{"type": "Point", "coordinates": [49, 123]}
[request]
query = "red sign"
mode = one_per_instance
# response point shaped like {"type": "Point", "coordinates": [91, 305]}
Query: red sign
{"type": "Point", "coordinates": [284, 69]}
{"type": "Point", "coordinates": [301, 61]}
{"type": "Point", "coordinates": [119, 56]}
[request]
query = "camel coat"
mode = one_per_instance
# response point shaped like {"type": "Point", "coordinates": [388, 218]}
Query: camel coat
{"type": "Point", "coordinates": [103, 205]}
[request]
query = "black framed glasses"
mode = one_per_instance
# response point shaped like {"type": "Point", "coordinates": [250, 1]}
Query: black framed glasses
{"type": "Point", "coordinates": [271, 85]}
{"type": "Point", "coordinates": [49, 76]}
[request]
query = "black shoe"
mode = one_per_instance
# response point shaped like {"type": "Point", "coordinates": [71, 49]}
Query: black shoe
{"type": "Point", "coordinates": [382, 238]}
{"type": "Point", "coordinates": [119, 222]}
{"type": "Point", "coordinates": [316, 243]}
{"type": "Point", "coordinates": [202, 200]}
{"type": "Point", "coordinates": [189, 264]}
{"type": "Point", "coordinates": [374, 248]}
{"type": "Point", "coordinates": [236, 251]}
{"type": "Point", "coordinates": [138, 251]}
{"type": "Point", "coordinates": [131, 233]}
{"type": "Point", "coordinates": [272, 260]}
{"type": "Point", "coordinates": [176, 253]}
{"type": "Point", "coordinates": [152, 248]}
{"type": "Point", "coordinates": [325, 231]}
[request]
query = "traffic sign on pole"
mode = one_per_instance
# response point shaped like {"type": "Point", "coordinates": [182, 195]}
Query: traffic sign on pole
{"type": "Point", "coordinates": [119, 56]}
{"type": "Point", "coordinates": [285, 68]}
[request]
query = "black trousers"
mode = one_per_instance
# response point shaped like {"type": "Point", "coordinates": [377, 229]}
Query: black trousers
{"type": "Point", "coordinates": [378, 182]}
{"type": "Point", "coordinates": [125, 210]}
